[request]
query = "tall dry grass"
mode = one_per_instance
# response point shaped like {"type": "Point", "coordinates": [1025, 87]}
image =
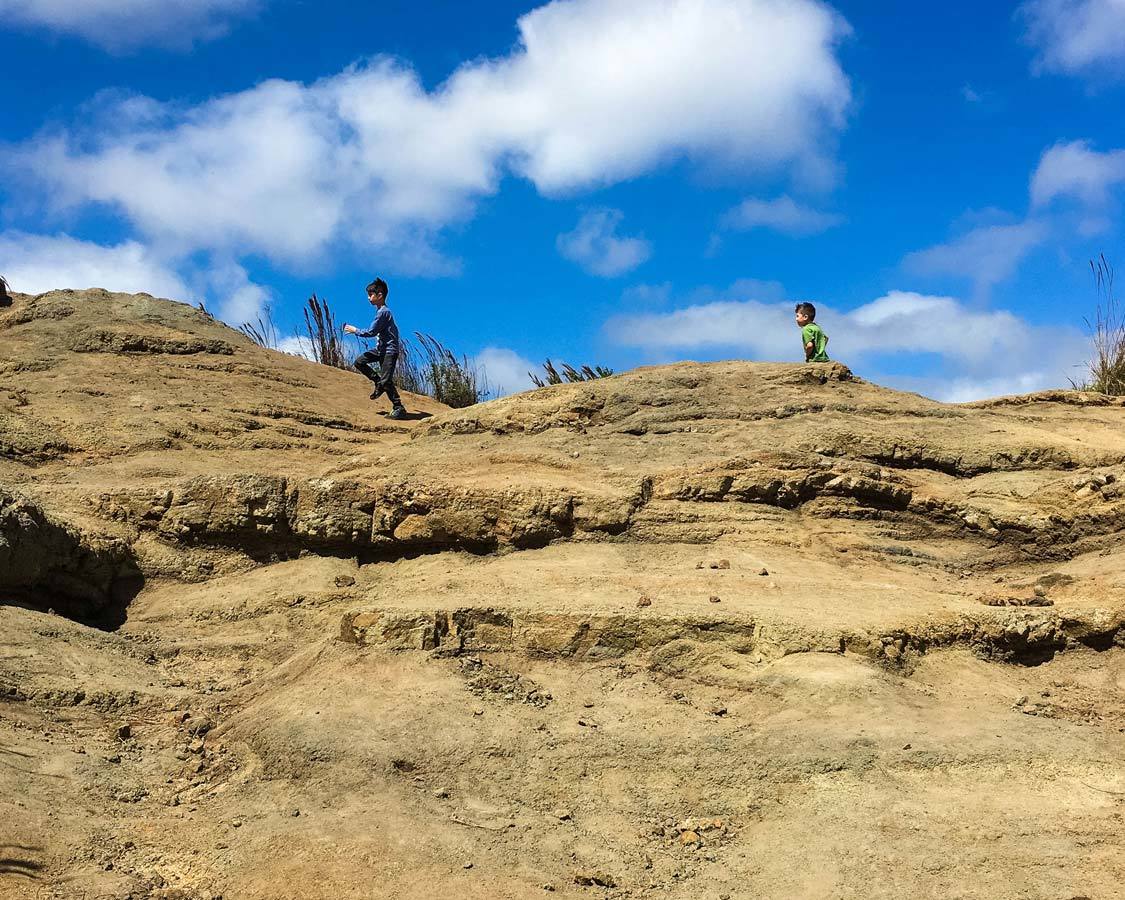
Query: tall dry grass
{"type": "Point", "coordinates": [445, 376]}
{"type": "Point", "coordinates": [425, 366]}
{"type": "Point", "coordinates": [263, 331]}
{"type": "Point", "coordinates": [1106, 368]}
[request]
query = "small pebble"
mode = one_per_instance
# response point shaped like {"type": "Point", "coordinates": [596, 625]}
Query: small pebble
{"type": "Point", "coordinates": [714, 599]}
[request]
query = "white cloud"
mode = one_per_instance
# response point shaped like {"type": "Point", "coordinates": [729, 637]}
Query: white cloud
{"type": "Point", "coordinates": [34, 264]}
{"type": "Point", "coordinates": [647, 294]}
{"type": "Point", "coordinates": [595, 92]}
{"type": "Point", "coordinates": [977, 352]}
{"type": "Point", "coordinates": [505, 370]}
{"type": "Point", "coordinates": [1077, 37]}
{"type": "Point", "coordinates": [238, 298]}
{"type": "Point", "coordinates": [125, 24]}
{"type": "Point", "coordinates": [1075, 170]}
{"type": "Point", "coordinates": [782, 214]}
{"type": "Point", "coordinates": [297, 346]}
{"type": "Point", "coordinates": [986, 255]}
{"type": "Point", "coordinates": [595, 245]}
{"type": "Point", "coordinates": [971, 95]}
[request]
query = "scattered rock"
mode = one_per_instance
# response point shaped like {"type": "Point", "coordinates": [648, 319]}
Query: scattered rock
{"type": "Point", "coordinates": [467, 865]}
{"type": "Point", "coordinates": [124, 732]}
{"type": "Point", "coordinates": [344, 581]}
{"type": "Point", "coordinates": [563, 815]}
{"type": "Point", "coordinates": [644, 600]}
{"type": "Point", "coordinates": [1005, 600]}
{"type": "Point", "coordinates": [763, 571]}
{"type": "Point", "coordinates": [718, 710]}
{"type": "Point", "coordinates": [714, 599]}
{"type": "Point", "coordinates": [295, 813]}
{"type": "Point", "coordinates": [198, 725]}
{"type": "Point", "coordinates": [720, 564]}
{"type": "Point", "coordinates": [587, 723]}
{"type": "Point", "coordinates": [441, 793]}
{"type": "Point", "coordinates": [595, 879]}
{"type": "Point", "coordinates": [690, 839]}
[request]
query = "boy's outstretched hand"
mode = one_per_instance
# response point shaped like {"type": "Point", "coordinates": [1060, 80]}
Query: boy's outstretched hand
{"type": "Point", "coordinates": [350, 329]}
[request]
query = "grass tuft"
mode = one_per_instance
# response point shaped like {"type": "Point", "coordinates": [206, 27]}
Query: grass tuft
{"type": "Point", "coordinates": [1106, 369]}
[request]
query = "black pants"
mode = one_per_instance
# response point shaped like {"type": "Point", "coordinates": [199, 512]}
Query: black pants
{"type": "Point", "coordinates": [384, 378]}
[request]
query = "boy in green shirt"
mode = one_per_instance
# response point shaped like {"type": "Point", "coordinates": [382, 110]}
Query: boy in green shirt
{"type": "Point", "coordinates": [813, 338]}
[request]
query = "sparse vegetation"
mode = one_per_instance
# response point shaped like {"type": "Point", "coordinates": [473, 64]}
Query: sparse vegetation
{"type": "Point", "coordinates": [443, 375]}
{"type": "Point", "coordinates": [1107, 335]}
{"type": "Point", "coordinates": [324, 337]}
{"type": "Point", "coordinates": [263, 331]}
{"type": "Point", "coordinates": [426, 366]}
{"type": "Point", "coordinates": [5, 297]}
{"type": "Point", "coordinates": [568, 374]}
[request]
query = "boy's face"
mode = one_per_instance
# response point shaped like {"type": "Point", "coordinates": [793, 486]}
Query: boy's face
{"type": "Point", "coordinates": [803, 319]}
{"type": "Point", "coordinates": [376, 299]}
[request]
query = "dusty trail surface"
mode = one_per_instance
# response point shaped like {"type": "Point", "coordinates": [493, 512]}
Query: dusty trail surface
{"type": "Point", "coordinates": [696, 631]}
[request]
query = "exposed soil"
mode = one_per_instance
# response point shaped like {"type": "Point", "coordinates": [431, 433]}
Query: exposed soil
{"type": "Point", "coordinates": [697, 631]}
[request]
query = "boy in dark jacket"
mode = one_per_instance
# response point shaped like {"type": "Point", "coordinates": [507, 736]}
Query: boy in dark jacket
{"type": "Point", "coordinates": [386, 348]}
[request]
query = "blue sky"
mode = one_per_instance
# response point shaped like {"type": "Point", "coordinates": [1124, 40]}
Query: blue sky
{"type": "Point", "coordinates": [616, 182]}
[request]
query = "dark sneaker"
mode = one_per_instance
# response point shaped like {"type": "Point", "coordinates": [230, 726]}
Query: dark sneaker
{"type": "Point", "coordinates": [377, 393]}
{"type": "Point", "coordinates": [397, 413]}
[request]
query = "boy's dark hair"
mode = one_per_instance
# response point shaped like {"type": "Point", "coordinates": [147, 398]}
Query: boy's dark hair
{"type": "Point", "coordinates": [808, 309]}
{"type": "Point", "coordinates": [378, 286]}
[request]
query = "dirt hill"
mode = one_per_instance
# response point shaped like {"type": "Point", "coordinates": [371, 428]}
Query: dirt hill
{"type": "Point", "coordinates": [694, 631]}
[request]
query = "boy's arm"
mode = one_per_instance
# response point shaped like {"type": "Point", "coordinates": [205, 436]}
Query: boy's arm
{"type": "Point", "coordinates": [377, 327]}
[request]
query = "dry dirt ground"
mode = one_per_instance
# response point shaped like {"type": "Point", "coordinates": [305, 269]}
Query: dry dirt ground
{"type": "Point", "coordinates": [699, 631]}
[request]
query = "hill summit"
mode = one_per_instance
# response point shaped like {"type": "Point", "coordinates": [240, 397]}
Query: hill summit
{"type": "Point", "coordinates": [664, 634]}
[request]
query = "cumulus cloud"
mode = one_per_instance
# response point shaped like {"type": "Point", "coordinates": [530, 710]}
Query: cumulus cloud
{"type": "Point", "coordinates": [986, 255]}
{"type": "Point", "coordinates": [970, 353]}
{"type": "Point", "coordinates": [35, 263]}
{"type": "Point", "coordinates": [238, 298]}
{"type": "Point", "coordinates": [1077, 37]}
{"type": "Point", "coordinates": [782, 214]}
{"type": "Point", "coordinates": [594, 92]}
{"type": "Point", "coordinates": [119, 25]}
{"type": "Point", "coordinates": [1075, 170]}
{"type": "Point", "coordinates": [297, 345]}
{"type": "Point", "coordinates": [595, 245]}
{"type": "Point", "coordinates": [505, 370]}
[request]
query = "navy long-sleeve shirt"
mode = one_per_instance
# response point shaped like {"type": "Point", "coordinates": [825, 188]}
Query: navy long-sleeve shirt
{"type": "Point", "coordinates": [385, 329]}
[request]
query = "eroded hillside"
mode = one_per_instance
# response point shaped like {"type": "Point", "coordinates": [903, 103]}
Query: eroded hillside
{"type": "Point", "coordinates": [730, 629]}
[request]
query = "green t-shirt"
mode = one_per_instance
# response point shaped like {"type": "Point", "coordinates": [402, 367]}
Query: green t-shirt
{"type": "Point", "coordinates": [814, 334]}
